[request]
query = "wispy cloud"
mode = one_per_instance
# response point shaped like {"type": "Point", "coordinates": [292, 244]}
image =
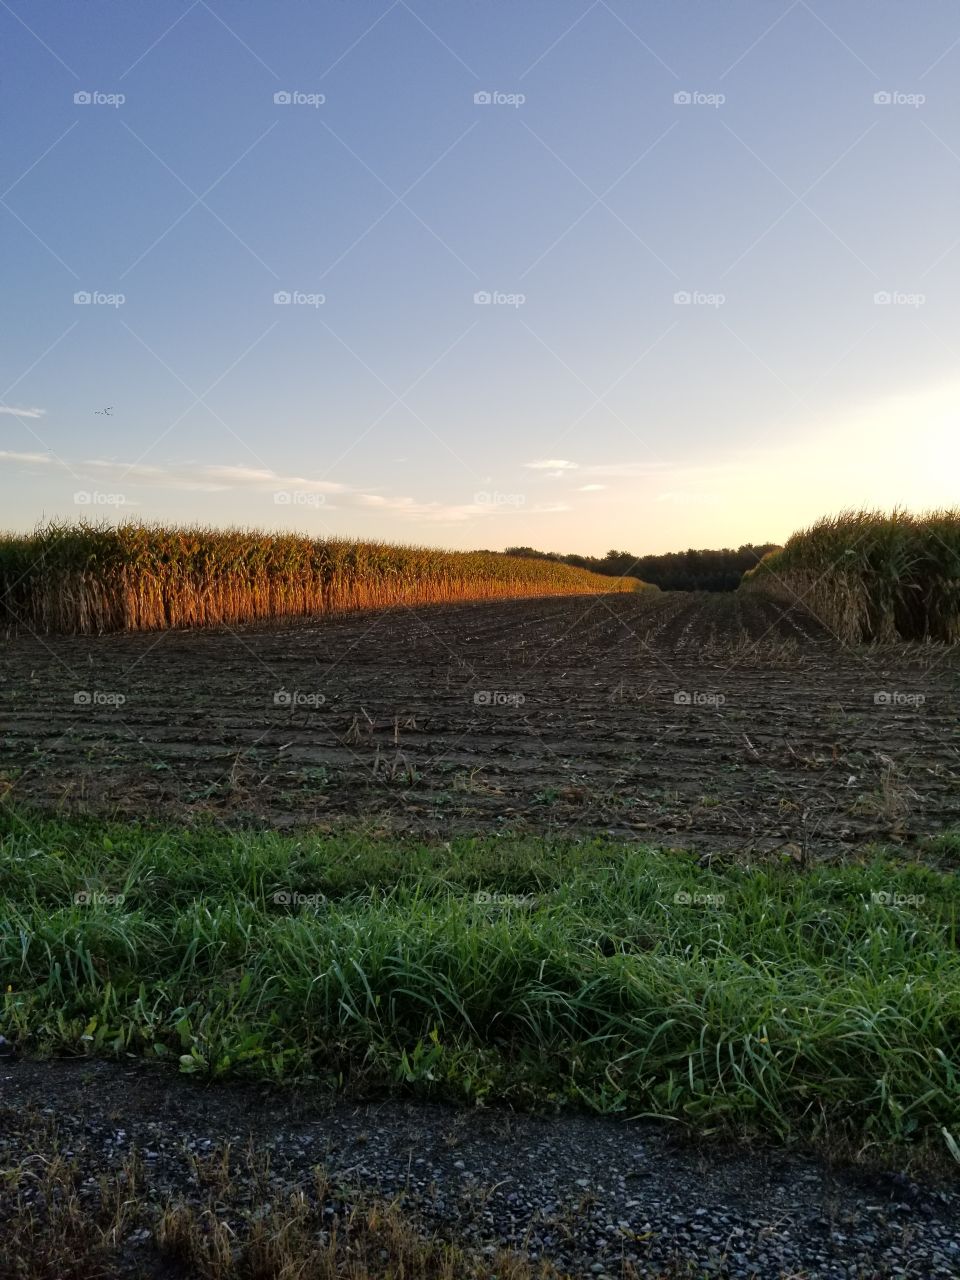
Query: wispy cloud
{"type": "Point", "coordinates": [225, 478]}
{"type": "Point", "coordinates": [203, 478]}
{"type": "Point", "coordinates": [627, 470]}
{"type": "Point", "coordinates": [9, 456]}
{"type": "Point", "coordinates": [557, 467]}
{"type": "Point", "coordinates": [454, 513]}
{"type": "Point", "coordinates": [434, 512]}
{"type": "Point", "coordinates": [21, 413]}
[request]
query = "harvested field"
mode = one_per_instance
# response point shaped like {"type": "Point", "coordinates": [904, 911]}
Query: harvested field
{"type": "Point", "coordinates": [706, 721]}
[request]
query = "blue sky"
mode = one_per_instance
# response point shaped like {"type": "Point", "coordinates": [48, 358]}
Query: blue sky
{"type": "Point", "coordinates": [719, 243]}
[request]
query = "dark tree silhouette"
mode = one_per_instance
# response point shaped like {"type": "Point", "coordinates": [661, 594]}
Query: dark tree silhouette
{"type": "Point", "coordinates": [704, 570]}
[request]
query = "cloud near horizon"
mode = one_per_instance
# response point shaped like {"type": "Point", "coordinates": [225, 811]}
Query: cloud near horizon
{"type": "Point", "coordinates": [225, 478]}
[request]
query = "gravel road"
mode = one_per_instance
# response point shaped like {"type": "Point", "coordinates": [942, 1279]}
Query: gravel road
{"type": "Point", "coordinates": [592, 1195]}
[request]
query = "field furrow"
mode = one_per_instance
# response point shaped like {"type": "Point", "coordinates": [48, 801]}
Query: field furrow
{"type": "Point", "coordinates": [699, 720]}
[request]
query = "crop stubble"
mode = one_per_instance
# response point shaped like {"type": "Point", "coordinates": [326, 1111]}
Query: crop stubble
{"type": "Point", "coordinates": [581, 731]}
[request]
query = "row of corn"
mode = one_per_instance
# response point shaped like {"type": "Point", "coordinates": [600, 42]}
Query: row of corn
{"type": "Point", "coordinates": [92, 578]}
{"type": "Point", "coordinates": [873, 576]}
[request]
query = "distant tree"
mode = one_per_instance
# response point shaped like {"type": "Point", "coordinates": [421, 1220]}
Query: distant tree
{"type": "Point", "coordinates": [691, 570]}
{"type": "Point", "coordinates": [531, 553]}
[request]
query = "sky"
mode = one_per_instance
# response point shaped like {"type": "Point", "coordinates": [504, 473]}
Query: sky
{"type": "Point", "coordinates": [574, 274]}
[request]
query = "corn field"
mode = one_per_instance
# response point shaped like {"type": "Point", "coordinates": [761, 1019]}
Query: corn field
{"type": "Point", "coordinates": [89, 579]}
{"type": "Point", "coordinates": [872, 576]}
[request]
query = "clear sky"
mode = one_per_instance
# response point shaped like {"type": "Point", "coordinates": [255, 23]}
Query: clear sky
{"type": "Point", "coordinates": [791, 169]}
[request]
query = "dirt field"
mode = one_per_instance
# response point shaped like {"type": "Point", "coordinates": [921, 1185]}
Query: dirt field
{"type": "Point", "coordinates": [713, 722]}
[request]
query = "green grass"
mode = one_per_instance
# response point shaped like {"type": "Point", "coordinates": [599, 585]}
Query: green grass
{"type": "Point", "coordinates": [764, 998]}
{"type": "Point", "coordinates": [873, 576]}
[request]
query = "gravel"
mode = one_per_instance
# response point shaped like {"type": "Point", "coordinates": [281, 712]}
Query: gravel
{"type": "Point", "coordinates": [589, 1194]}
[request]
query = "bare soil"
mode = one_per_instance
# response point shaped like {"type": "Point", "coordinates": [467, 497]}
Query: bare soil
{"type": "Point", "coordinates": [714, 722]}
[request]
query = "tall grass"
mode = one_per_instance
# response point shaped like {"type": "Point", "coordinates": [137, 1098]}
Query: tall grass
{"type": "Point", "coordinates": [144, 577]}
{"type": "Point", "coordinates": [820, 1003]}
{"type": "Point", "coordinates": [873, 576]}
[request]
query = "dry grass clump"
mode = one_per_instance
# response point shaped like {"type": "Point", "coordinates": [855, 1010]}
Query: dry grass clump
{"type": "Point", "coordinates": [61, 1224]}
{"type": "Point", "coordinates": [87, 578]}
{"type": "Point", "coordinates": [873, 576]}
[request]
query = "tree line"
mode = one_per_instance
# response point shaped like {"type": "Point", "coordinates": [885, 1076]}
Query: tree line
{"type": "Point", "coordinates": [703, 570]}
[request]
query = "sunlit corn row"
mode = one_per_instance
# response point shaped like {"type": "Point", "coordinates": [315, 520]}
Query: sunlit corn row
{"type": "Point", "coordinates": [138, 577]}
{"type": "Point", "coordinates": [873, 576]}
